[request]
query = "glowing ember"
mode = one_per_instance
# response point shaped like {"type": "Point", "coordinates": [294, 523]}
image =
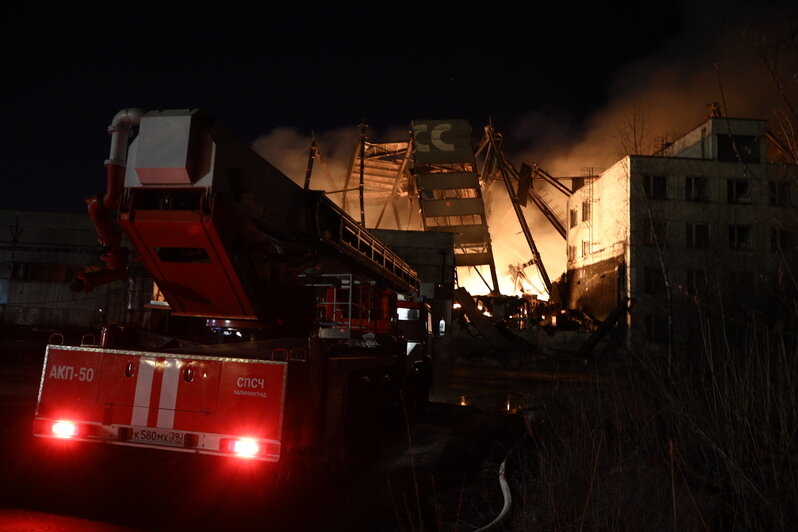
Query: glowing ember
{"type": "Point", "coordinates": [469, 279]}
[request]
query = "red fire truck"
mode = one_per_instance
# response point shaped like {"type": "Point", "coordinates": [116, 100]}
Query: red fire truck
{"type": "Point", "coordinates": [315, 326]}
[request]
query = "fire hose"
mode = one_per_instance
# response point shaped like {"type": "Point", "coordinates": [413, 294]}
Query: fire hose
{"type": "Point", "coordinates": [508, 498]}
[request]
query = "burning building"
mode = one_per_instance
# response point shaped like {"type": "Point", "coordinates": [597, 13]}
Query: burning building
{"type": "Point", "coordinates": [705, 223]}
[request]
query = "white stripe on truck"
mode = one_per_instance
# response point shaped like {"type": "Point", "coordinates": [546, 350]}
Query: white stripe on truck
{"type": "Point", "coordinates": [141, 401]}
{"type": "Point", "coordinates": [166, 406]}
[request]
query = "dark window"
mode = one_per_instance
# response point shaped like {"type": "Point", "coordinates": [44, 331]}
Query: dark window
{"type": "Point", "coordinates": [697, 189]}
{"type": "Point", "coordinates": [739, 190]}
{"type": "Point", "coordinates": [781, 240]}
{"type": "Point", "coordinates": [585, 248]}
{"type": "Point", "coordinates": [655, 187]}
{"type": "Point", "coordinates": [740, 237]}
{"type": "Point", "coordinates": [740, 282]}
{"type": "Point", "coordinates": [656, 233]}
{"type": "Point", "coordinates": [743, 148]}
{"type": "Point", "coordinates": [780, 194]}
{"type": "Point", "coordinates": [697, 283]}
{"type": "Point", "coordinates": [585, 211]}
{"type": "Point", "coordinates": [173, 254]}
{"type": "Point", "coordinates": [656, 329]}
{"type": "Point", "coordinates": [697, 235]}
{"type": "Point", "coordinates": [653, 281]}
{"type": "Point", "coordinates": [571, 253]}
{"type": "Point", "coordinates": [42, 272]}
{"type": "Point", "coordinates": [573, 218]}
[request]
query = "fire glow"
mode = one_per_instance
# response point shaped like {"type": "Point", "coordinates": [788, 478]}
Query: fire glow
{"type": "Point", "coordinates": [469, 279]}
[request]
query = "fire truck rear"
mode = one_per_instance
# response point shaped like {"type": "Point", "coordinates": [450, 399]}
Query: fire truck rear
{"type": "Point", "coordinates": [298, 332]}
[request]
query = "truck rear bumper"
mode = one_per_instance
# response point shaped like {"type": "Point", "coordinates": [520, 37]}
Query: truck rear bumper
{"type": "Point", "coordinates": [157, 438]}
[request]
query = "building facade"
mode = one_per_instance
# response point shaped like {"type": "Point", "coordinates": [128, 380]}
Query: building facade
{"type": "Point", "coordinates": [39, 253]}
{"type": "Point", "coordinates": [707, 223]}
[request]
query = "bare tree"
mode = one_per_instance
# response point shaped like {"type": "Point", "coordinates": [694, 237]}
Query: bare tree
{"type": "Point", "coordinates": [632, 137]}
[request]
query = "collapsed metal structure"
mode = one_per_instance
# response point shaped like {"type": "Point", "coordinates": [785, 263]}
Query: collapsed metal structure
{"type": "Point", "coordinates": [439, 173]}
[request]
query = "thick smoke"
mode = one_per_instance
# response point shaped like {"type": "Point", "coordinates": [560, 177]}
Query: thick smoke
{"type": "Point", "coordinates": [667, 94]}
{"type": "Point", "coordinates": [655, 98]}
{"type": "Point", "coordinates": [288, 149]}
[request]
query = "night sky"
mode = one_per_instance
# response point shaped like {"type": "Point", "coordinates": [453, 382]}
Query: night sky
{"type": "Point", "coordinates": [67, 70]}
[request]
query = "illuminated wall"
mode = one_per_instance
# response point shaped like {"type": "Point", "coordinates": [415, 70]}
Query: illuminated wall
{"type": "Point", "coordinates": [705, 219]}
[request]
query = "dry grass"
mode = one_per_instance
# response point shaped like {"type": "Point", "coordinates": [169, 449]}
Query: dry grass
{"type": "Point", "coordinates": [708, 443]}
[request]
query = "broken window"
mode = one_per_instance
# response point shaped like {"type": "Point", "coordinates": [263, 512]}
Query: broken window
{"type": "Point", "coordinates": [655, 187]}
{"type": "Point", "coordinates": [743, 148]}
{"type": "Point", "coordinates": [739, 190]}
{"type": "Point", "coordinates": [740, 237]}
{"type": "Point", "coordinates": [696, 189]}
{"type": "Point", "coordinates": [697, 235]}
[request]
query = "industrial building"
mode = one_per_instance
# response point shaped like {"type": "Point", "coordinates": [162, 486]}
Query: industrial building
{"type": "Point", "coordinates": [706, 223]}
{"type": "Point", "coordinates": [709, 221]}
{"type": "Point", "coordinates": [39, 253]}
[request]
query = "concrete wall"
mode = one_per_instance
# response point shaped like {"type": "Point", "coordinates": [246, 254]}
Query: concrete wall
{"type": "Point", "coordinates": [756, 265]}
{"type": "Point", "coordinates": [598, 246]}
{"type": "Point", "coordinates": [650, 243]}
{"type": "Point", "coordinates": [701, 142]}
{"type": "Point", "coordinates": [431, 254]}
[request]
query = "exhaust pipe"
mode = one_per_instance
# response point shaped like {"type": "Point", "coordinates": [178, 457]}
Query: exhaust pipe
{"type": "Point", "coordinates": [100, 207]}
{"type": "Point", "coordinates": [120, 129]}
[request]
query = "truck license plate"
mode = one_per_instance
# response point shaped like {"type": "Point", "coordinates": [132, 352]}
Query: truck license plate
{"type": "Point", "coordinates": [157, 436]}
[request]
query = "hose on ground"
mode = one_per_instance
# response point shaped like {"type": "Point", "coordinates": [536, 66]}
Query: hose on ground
{"type": "Point", "coordinates": [508, 498]}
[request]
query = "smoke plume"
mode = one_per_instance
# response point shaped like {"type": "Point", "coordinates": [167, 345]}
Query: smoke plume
{"type": "Point", "coordinates": [659, 97]}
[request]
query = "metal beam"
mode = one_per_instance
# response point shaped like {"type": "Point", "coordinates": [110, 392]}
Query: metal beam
{"type": "Point", "coordinates": [553, 181]}
{"type": "Point", "coordinates": [518, 212]}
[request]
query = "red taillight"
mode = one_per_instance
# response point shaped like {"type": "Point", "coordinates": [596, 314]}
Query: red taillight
{"type": "Point", "coordinates": [245, 447]}
{"type": "Point", "coordinates": [64, 429]}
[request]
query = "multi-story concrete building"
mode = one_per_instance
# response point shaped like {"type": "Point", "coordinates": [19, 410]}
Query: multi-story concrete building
{"type": "Point", "coordinates": [707, 223]}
